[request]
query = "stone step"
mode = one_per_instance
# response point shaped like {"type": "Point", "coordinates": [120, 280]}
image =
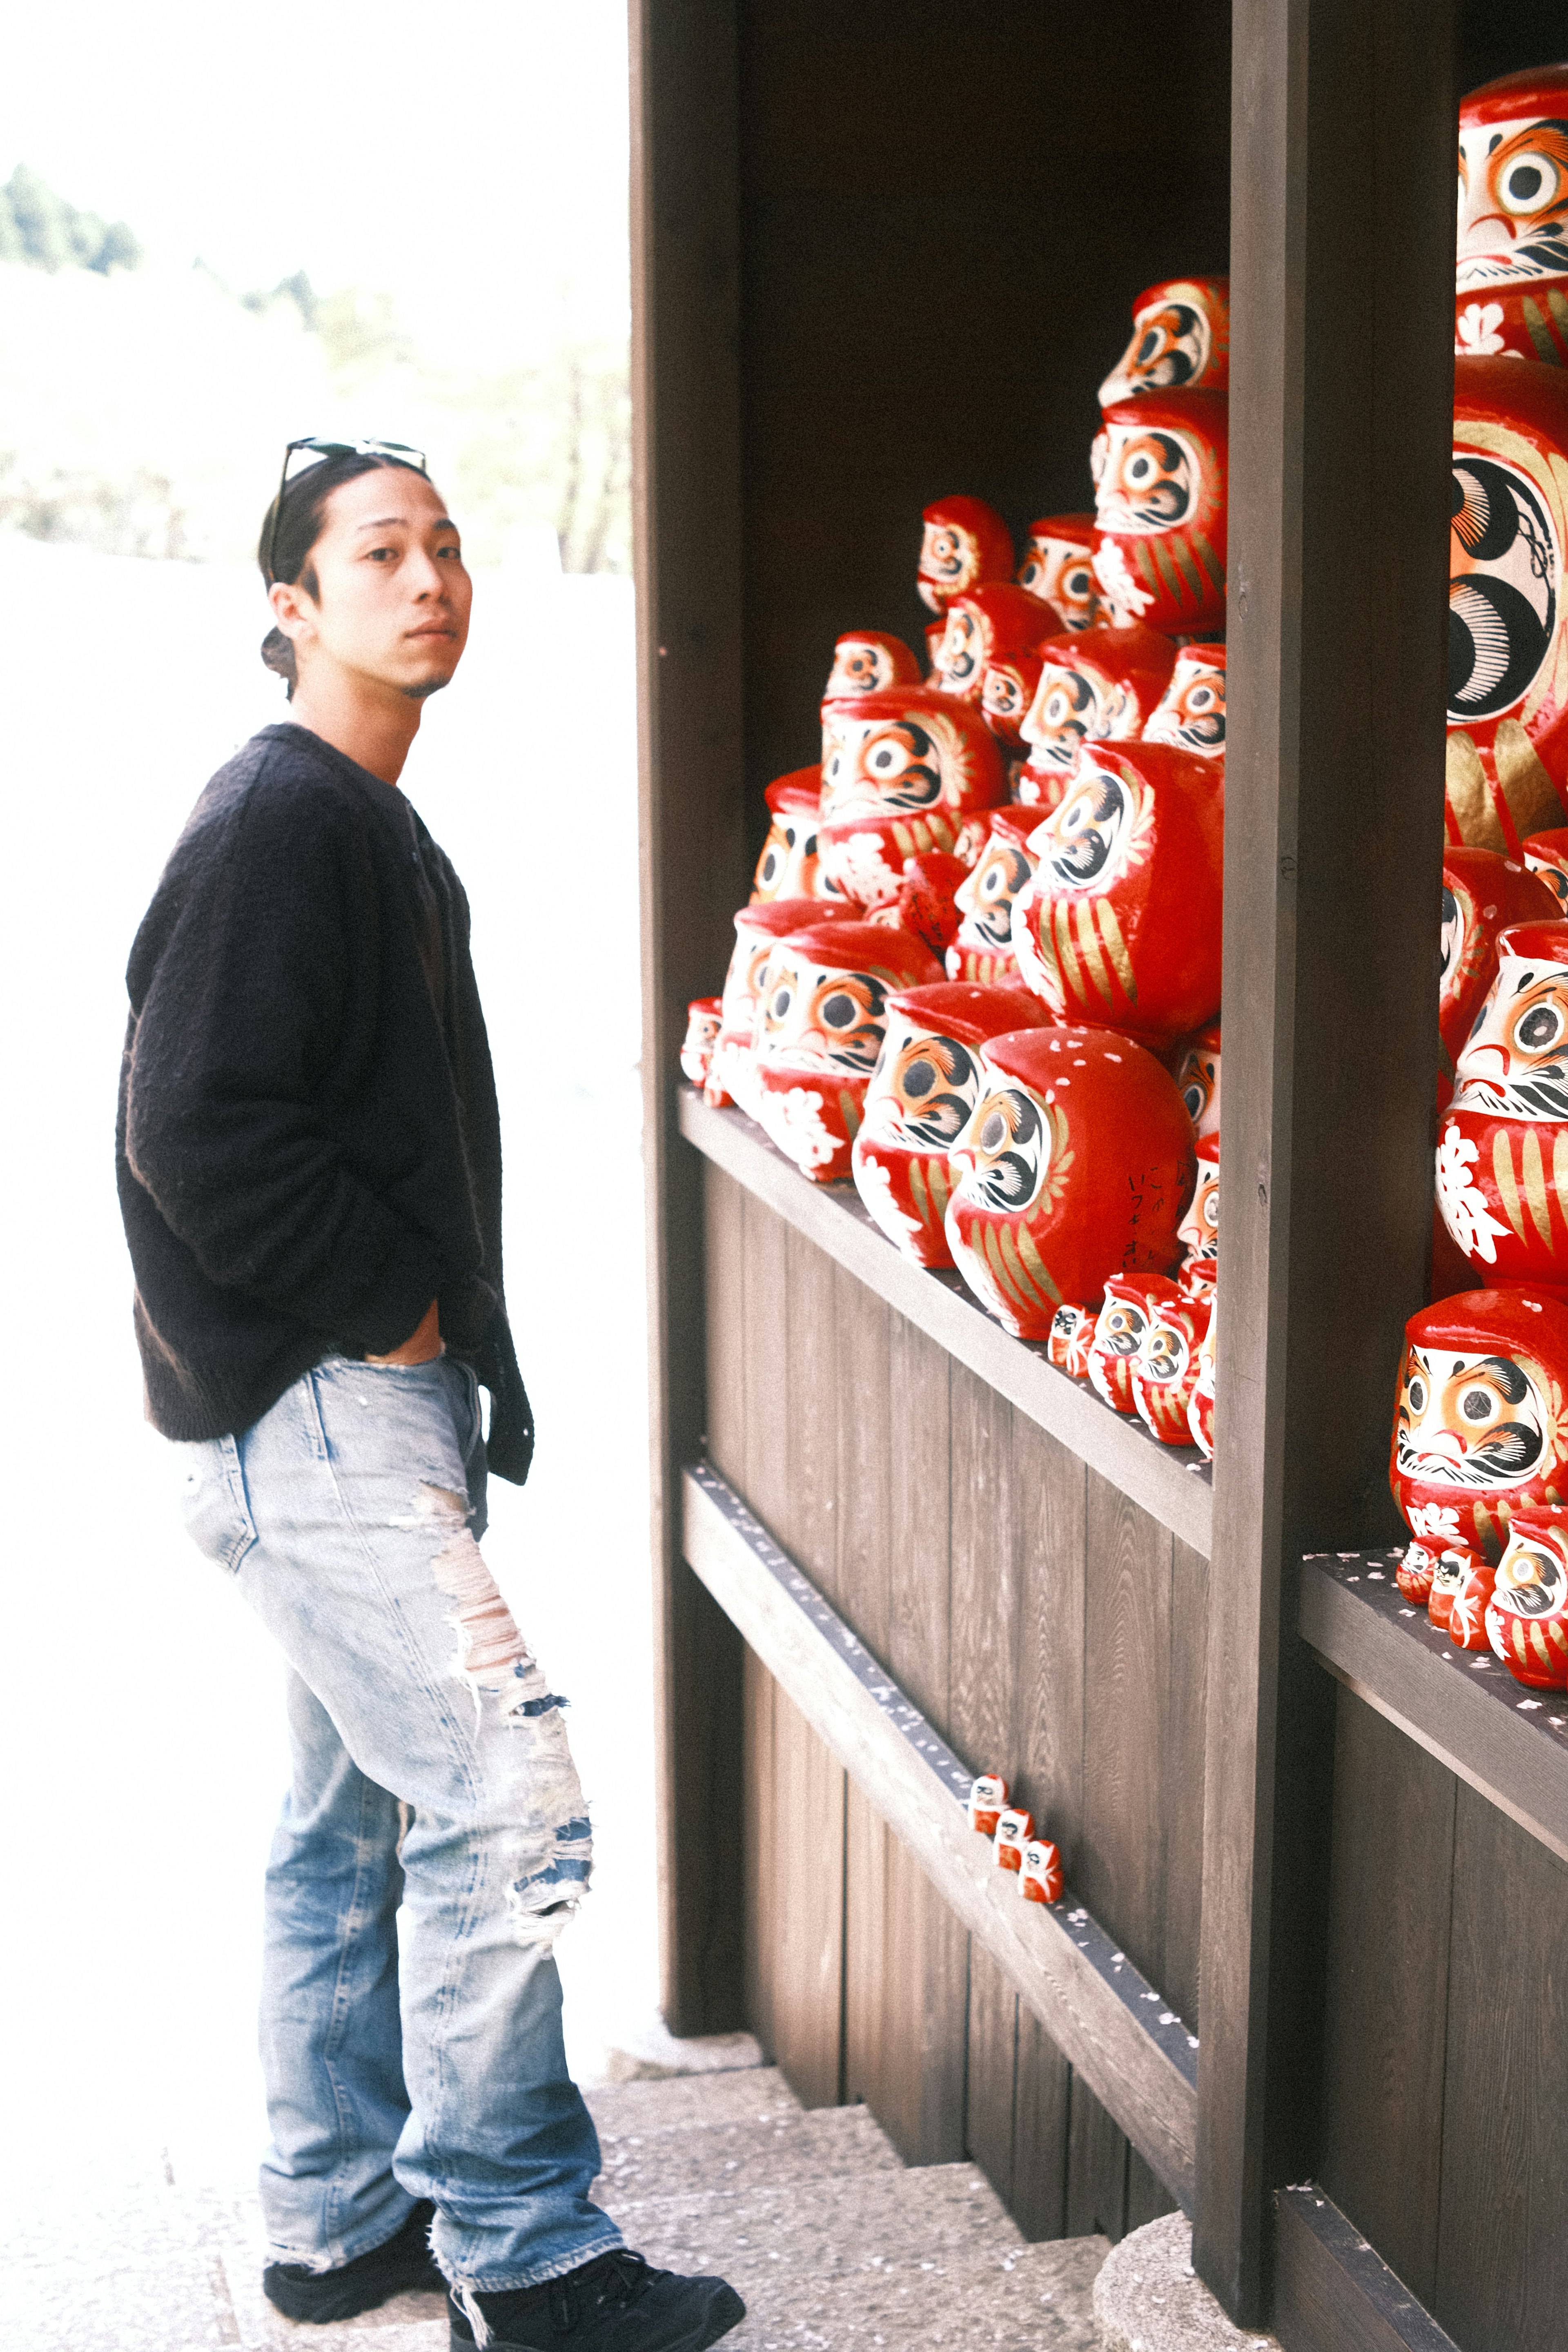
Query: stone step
{"type": "Point", "coordinates": [776, 2151]}
{"type": "Point", "coordinates": [748, 2095]}
{"type": "Point", "coordinates": [1148, 2298]}
{"type": "Point", "coordinates": [892, 2259]}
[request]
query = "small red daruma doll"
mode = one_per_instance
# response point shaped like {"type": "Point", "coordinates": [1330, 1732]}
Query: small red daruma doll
{"type": "Point", "coordinates": [1546, 854]}
{"type": "Point", "coordinates": [1071, 1338]}
{"type": "Point", "coordinates": [1165, 1369]}
{"type": "Point", "coordinates": [1074, 1167]}
{"type": "Point", "coordinates": [1103, 687]}
{"type": "Point", "coordinates": [1057, 565]}
{"type": "Point", "coordinates": [1507, 614]}
{"type": "Point", "coordinates": [1526, 1617]}
{"type": "Point", "coordinates": [1040, 1877]}
{"type": "Point", "coordinates": [901, 773]}
{"type": "Point", "coordinates": [1121, 920]}
{"type": "Point", "coordinates": [1198, 1231]}
{"type": "Point", "coordinates": [923, 1091]}
{"type": "Point", "coordinates": [1483, 894]}
{"type": "Point", "coordinates": [989, 626]}
{"type": "Point", "coordinates": [1511, 276]}
{"type": "Point", "coordinates": [987, 1797]}
{"type": "Point", "coordinates": [757, 927]}
{"type": "Point", "coordinates": [982, 949]}
{"type": "Point", "coordinates": [701, 1035]}
{"type": "Point", "coordinates": [789, 866]}
{"type": "Point", "coordinates": [1132, 1303]}
{"type": "Point", "coordinates": [1480, 1424]}
{"type": "Point", "coordinates": [1197, 1080]}
{"type": "Point", "coordinates": [1160, 506]}
{"type": "Point", "coordinates": [1181, 341]}
{"type": "Point", "coordinates": [1502, 1145]}
{"type": "Point", "coordinates": [965, 542]}
{"type": "Point", "coordinates": [1191, 713]}
{"type": "Point", "coordinates": [865, 660]}
{"type": "Point", "coordinates": [1013, 1830]}
{"type": "Point", "coordinates": [820, 1021]}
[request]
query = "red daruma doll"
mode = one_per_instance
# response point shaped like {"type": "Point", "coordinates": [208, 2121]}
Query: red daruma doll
{"type": "Point", "coordinates": [965, 542]}
{"type": "Point", "coordinates": [1480, 1426]}
{"type": "Point", "coordinates": [821, 1015]}
{"type": "Point", "coordinates": [1075, 1165]}
{"type": "Point", "coordinates": [1120, 921]}
{"type": "Point", "coordinates": [901, 772]}
{"type": "Point", "coordinates": [1503, 1144]}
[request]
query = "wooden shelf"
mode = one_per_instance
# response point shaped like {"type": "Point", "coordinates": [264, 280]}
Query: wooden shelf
{"type": "Point", "coordinates": [1172, 1483]}
{"type": "Point", "coordinates": [1462, 1706]}
{"type": "Point", "coordinates": [1133, 2051]}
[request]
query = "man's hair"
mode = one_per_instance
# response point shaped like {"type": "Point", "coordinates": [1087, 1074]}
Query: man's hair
{"type": "Point", "coordinates": [303, 503]}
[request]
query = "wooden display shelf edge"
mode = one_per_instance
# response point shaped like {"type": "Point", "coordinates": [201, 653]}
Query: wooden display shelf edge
{"type": "Point", "coordinates": [1173, 1484]}
{"type": "Point", "coordinates": [1463, 1706]}
{"type": "Point", "coordinates": [1134, 2053]}
{"type": "Point", "coordinates": [1333, 2292]}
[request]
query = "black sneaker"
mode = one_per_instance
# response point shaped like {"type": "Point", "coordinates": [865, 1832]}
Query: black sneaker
{"type": "Point", "coordinates": [618, 2303]}
{"type": "Point", "coordinates": [397, 2267]}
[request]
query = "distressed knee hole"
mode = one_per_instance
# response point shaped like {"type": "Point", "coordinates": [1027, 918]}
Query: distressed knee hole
{"type": "Point", "coordinates": [539, 1906]}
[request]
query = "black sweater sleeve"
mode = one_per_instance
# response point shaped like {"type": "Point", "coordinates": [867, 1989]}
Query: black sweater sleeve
{"type": "Point", "coordinates": [253, 994]}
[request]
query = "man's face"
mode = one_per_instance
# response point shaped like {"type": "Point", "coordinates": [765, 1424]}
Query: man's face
{"type": "Point", "coordinates": [393, 596]}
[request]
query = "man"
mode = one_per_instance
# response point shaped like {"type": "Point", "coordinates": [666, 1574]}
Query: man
{"type": "Point", "coordinates": [310, 1173]}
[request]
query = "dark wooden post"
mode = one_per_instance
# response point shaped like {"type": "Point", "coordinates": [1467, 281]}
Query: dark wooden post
{"type": "Point", "coordinates": [688, 522]}
{"type": "Point", "coordinates": [1342, 292]}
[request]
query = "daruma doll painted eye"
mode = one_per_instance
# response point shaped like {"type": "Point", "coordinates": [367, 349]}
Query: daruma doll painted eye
{"type": "Point", "coordinates": [1510, 278]}
{"type": "Point", "coordinates": [1502, 1143]}
{"type": "Point", "coordinates": [963, 542]}
{"type": "Point", "coordinates": [821, 1015]}
{"type": "Point", "coordinates": [1120, 921]}
{"type": "Point", "coordinates": [1160, 509]}
{"type": "Point", "coordinates": [1075, 1165]}
{"type": "Point", "coordinates": [1181, 341]}
{"type": "Point", "coordinates": [1197, 1081]}
{"type": "Point", "coordinates": [921, 1094]}
{"type": "Point", "coordinates": [1058, 565]}
{"type": "Point", "coordinates": [1481, 1426]}
{"type": "Point", "coordinates": [1508, 616]}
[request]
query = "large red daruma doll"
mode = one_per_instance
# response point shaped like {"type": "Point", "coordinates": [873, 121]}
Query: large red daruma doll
{"type": "Point", "coordinates": [1181, 341]}
{"type": "Point", "coordinates": [901, 771]}
{"type": "Point", "coordinates": [1480, 1426]}
{"type": "Point", "coordinates": [1058, 565]}
{"type": "Point", "coordinates": [982, 949]}
{"type": "Point", "coordinates": [1502, 1143]}
{"type": "Point", "coordinates": [1121, 920]}
{"type": "Point", "coordinates": [1510, 274]}
{"type": "Point", "coordinates": [1102, 686]}
{"type": "Point", "coordinates": [924, 1087]}
{"type": "Point", "coordinates": [821, 1016]}
{"type": "Point", "coordinates": [1160, 505]}
{"type": "Point", "coordinates": [1075, 1166]}
{"type": "Point", "coordinates": [1508, 618]}
{"type": "Point", "coordinates": [963, 542]}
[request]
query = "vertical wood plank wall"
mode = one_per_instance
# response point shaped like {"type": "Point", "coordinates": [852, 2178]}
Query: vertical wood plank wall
{"type": "Point", "coordinates": [1048, 1627]}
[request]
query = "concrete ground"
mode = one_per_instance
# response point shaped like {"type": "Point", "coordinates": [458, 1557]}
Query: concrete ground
{"type": "Point", "coordinates": [140, 1738]}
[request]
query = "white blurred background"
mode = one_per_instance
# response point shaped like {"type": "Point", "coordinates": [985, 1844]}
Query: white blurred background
{"type": "Point", "coordinates": [454, 189]}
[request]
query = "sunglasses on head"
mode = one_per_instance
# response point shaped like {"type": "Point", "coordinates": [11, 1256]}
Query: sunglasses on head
{"type": "Point", "coordinates": [319, 447]}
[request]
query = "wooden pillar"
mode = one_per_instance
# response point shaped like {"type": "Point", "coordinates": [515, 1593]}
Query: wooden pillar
{"type": "Point", "coordinates": [1341, 293]}
{"type": "Point", "coordinates": [687, 535]}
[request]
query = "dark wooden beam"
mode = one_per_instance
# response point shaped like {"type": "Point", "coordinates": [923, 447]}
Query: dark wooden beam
{"type": "Point", "coordinates": [1332, 2293]}
{"type": "Point", "coordinates": [1341, 304]}
{"type": "Point", "coordinates": [688, 522]}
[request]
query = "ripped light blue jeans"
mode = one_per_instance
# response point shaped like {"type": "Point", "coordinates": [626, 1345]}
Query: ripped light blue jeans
{"type": "Point", "coordinates": [433, 1843]}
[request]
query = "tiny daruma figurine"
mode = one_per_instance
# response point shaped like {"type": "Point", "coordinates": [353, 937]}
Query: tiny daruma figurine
{"type": "Point", "coordinates": [821, 1015]}
{"type": "Point", "coordinates": [1508, 618]}
{"type": "Point", "coordinates": [1121, 920]}
{"type": "Point", "coordinates": [923, 1091]}
{"type": "Point", "coordinates": [1502, 1143]}
{"type": "Point", "coordinates": [1181, 341]}
{"type": "Point", "coordinates": [965, 542]}
{"type": "Point", "coordinates": [1480, 1426]}
{"type": "Point", "coordinates": [1527, 1616]}
{"type": "Point", "coordinates": [1075, 1166]}
{"type": "Point", "coordinates": [1510, 277]}
{"type": "Point", "coordinates": [1159, 502]}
